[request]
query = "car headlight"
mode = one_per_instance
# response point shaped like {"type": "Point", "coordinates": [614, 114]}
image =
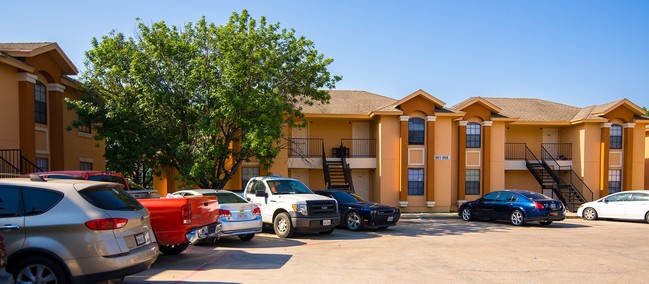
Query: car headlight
{"type": "Point", "coordinates": [301, 208]}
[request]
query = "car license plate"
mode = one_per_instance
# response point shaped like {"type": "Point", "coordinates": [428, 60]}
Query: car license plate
{"type": "Point", "coordinates": [140, 239]}
{"type": "Point", "coordinates": [242, 215]}
{"type": "Point", "coordinates": [390, 219]}
{"type": "Point", "coordinates": [554, 213]}
{"type": "Point", "coordinates": [326, 222]}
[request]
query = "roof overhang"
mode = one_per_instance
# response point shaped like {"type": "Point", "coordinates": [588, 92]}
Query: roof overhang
{"type": "Point", "coordinates": [424, 95]}
{"type": "Point", "coordinates": [15, 63]}
{"type": "Point", "coordinates": [59, 56]}
{"type": "Point", "coordinates": [623, 102]}
{"type": "Point", "coordinates": [479, 100]}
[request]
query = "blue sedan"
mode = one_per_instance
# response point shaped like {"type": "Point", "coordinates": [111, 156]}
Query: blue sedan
{"type": "Point", "coordinates": [356, 213]}
{"type": "Point", "coordinates": [515, 206]}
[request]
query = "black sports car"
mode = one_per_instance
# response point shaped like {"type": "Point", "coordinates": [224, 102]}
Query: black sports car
{"type": "Point", "coordinates": [356, 213]}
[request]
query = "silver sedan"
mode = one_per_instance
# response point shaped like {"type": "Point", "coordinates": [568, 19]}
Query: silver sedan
{"type": "Point", "coordinates": [237, 216]}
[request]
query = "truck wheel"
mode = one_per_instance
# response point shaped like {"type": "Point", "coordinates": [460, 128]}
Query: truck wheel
{"type": "Point", "coordinates": [246, 237]}
{"type": "Point", "coordinates": [282, 225]}
{"type": "Point", "coordinates": [173, 249]}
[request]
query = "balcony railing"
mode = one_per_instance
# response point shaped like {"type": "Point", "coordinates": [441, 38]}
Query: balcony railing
{"type": "Point", "coordinates": [313, 147]}
{"type": "Point", "coordinates": [305, 147]}
{"type": "Point", "coordinates": [557, 151]}
{"type": "Point", "coordinates": [359, 148]}
{"type": "Point", "coordinates": [515, 151]}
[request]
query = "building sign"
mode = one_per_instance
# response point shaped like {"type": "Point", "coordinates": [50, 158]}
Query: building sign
{"type": "Point", "coordinates": [443, 157]}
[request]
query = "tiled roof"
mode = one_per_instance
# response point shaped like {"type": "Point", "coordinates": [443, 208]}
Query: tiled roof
{"type": "Point", "coordinates": [22, 46]}
{"type": "Point", "coordinates": [350, 102]}
{"type": "Point", "coordinates": [527, 109]}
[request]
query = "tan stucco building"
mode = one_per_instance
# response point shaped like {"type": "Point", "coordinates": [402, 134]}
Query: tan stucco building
{"type": "Point", "coordinates": [424, 156]}
{"type": "Point", "coordinates": [34, 80]}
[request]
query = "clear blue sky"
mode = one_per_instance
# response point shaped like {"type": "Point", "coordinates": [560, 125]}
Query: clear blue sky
{"type": "Point", "coordinates": [574, 52]}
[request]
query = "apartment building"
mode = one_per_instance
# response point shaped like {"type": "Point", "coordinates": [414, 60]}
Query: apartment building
{"type": "Point", "coordinates": [424, 156]}
{"type": "Point", "coordinates": [34, 80]}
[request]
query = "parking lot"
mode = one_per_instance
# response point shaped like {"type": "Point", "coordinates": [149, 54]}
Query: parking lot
{"type": "Point", "coordinates": [437, 249]}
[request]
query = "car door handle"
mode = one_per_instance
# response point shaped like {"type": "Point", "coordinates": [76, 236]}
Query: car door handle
{"type": "Point", "coordinates": [9, 227]}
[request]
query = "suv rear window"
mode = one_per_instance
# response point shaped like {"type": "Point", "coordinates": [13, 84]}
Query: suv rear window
{"type": "Point", "coordinates": [110, 198]}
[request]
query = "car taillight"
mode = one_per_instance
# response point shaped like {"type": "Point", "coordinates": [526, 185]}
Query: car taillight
{"type": "Point", "coordinates": [538, 205]}
{"type": "Point", "coordinates": [224, 213]}
{"type": "Point", "coordinates": [106, 224]}
{"type": "Point", "coordinates": [186, 214]}
{"type": "Point", "coordinates": [256, 211]}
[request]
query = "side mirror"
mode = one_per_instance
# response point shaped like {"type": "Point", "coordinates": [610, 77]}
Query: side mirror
{"type": "Point", "coordinates": [261, 193]}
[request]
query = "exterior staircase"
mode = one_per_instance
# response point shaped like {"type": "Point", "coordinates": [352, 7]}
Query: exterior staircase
{"type": "Point", "coordinates": [563, 181]}
{"type": "Point", "coordinates": [13, 163]}
{"type": "Point", "coordinates": [337, 173]}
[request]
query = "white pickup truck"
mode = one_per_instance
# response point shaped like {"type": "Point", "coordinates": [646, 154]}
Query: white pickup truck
{"type": "Point", "coordinates": [289, 205]}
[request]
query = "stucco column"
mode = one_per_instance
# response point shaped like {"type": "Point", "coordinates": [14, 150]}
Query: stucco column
{"type": "Point", "coordinates": [26, 122]}
{"type": "Point", "coordinates": [627, 171]}
{"type": "Point", "coordinates": [403, 185]}
{"type": "Point", "coordinates": [55, 108]}
{"type": "Point", "coordinates": [486, 157]}
{"type": "Point", "coordinates": [604, 155]}
{"type": "Point", "coordinates": [430, 161]}
{"type": "Point", "coordinates": [461, 185]}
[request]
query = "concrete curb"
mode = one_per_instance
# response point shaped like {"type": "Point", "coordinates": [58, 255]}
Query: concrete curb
{"type": "Point", "coordinates": [454, 215]}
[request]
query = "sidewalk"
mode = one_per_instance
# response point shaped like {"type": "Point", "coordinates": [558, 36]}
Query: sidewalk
{"type": "Point", "coordinates": [453, 215]}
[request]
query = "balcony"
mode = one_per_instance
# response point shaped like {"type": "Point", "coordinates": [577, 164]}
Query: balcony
{"type": "Point", "coordinates": [307, 152]}
{"type": "Point", "coordinates": [559, 153]}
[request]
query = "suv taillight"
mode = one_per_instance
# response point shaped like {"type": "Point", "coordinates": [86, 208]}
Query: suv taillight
{"type": "Point", "coordinates": [256, 211]}
{"type": "Point", "coordinates": [106, 224]}
{"type": "Point", "coordinates": [186, 214]}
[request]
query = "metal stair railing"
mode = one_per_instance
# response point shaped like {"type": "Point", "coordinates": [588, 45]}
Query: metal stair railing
{"type": "Point", "coordinates": [325, 169]}
{"type": "Point", "coordinates": [553, 166]}
{"type": "Point", "coordinates": [13, 162]}
{"type": "Point", "coordinates": [346, 169]}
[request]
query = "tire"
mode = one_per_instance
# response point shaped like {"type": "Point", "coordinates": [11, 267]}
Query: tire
{"type": "Point", "coordinates": [646, 217]}
{"type": "Point", "coordinates": [517, 218]}
{"type": "Point", "coordinates": [282, 225]}
{"type": "Point", "coordinates": [589, 214]}
{"type": "Point", "coordinates": [353, 221]}
{"type": "Point", "coordinates": [246, 237]}
{"type": "Point", "coordinates": [39, 269]}
{"type": "Point", "coordinates": [466, 214]}
{"type": "Point", "coordinates": [173, 249]}
{"type": "Point", "coordinates": [327, 232]}
{"type": "Point", "coordinates": [545, 223]}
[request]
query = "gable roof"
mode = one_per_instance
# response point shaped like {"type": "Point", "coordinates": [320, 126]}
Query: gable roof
{"type": "Point", "coordinates": [480, 100]}
{"type": "Point", "coordinates": [346, 102]}
{"type": "Point", "coordinates": [423, 94]}
{"type": "Point", "coordinates": [31, 49]}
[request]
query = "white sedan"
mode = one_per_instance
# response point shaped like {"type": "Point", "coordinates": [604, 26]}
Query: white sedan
{"type": "Point", "coordinates": [632, 205]}
{"type": "Point", "coordinates": [237, 216]}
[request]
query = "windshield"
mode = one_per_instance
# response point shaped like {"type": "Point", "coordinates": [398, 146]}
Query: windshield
{"type": "Point", "coordinates": [346, 197]}
{"type": "Point", "coordinates": [288, 186]}
{"type": "Point", "coordinates": [226, 197]}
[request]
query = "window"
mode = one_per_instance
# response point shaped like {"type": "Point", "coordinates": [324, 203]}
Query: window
{"type": "Point", "coordinates": [616, 136]}
{"type": "Point", "coordinates": [473, 135]}
{"type": "Point", "coordinates": [640, 197]}
{"type": "Point", "coordinates": [614, 181]}
{"type": "Point", "coordinates": [40, 103]}
{"type": "Point", "coordinates": [109, 197]}
{"type": "Point", "coordinates": [505, 196]}
{"type": "Point", "coordinates": [416, 131]}
{"type": "Point", "coordinates": [620, 197]}
{"type": "Point", "coordinates": [85, 166]}
{"type": "Point", "coordinates": [492, 196]}
{"type": "Point", "coordinates": [247, 173]}
{"type": "Point", "coordinates": [472, 182]}
{"type": "Point", "coordinates": [415, 181]}
{"type": "Point", "coordinates": [39, 201]}
{"type": "Point", "coordinates": [42, 164]}
{"type": "Point", "coordinates": [10, 202]}
{"type": "Point", "coordinates": [85, 128]}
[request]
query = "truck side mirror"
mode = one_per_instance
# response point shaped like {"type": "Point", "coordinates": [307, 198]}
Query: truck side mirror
{"type": "Point", "coordinates": [261, 193]}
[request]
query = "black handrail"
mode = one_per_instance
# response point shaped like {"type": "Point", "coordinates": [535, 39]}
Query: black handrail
{"type": "Point", "coordinates": [305, 147]}
{"type": "Point", "coordinates": [579, 185]}
{"type": "Point", "coordinates": [325, 168]}
{"type": "Point", "coordinates": [13, 162]}
{"type": "Point", "coordinates": [346, 169]}
{"type": "Point", "coordinates": [359, 147]}
{"type": "Point", "coordinates": [562, 151]}
{"type": "Point", "coordinates": [515, 151]}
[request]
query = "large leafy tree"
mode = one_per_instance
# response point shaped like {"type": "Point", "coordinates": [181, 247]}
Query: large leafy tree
{"type": "Point", "coordinates": [201, 99]}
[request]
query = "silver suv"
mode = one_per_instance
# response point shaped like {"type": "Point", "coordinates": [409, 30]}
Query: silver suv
{"type": "Point", "coordinates": [73, 231]}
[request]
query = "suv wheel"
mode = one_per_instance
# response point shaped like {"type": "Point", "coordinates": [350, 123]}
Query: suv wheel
{"type": "Point", "coordinates": [39, 269]}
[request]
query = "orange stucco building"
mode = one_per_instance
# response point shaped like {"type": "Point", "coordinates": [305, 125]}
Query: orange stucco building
{"type": "Point", "coordinates": [34, 80]}
{"type": "Point", "coordinates": [424, 156]}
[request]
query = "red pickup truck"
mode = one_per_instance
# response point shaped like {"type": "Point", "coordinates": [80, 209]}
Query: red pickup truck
{"type": "Point", "coordinates": [176, 222]}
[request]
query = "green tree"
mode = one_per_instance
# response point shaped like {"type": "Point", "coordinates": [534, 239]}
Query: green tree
{"type": "Point", "coordinates": [181, 97]}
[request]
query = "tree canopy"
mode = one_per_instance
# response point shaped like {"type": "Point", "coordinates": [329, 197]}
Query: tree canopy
{"type": "Point", "coordinates": [201, 99]}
